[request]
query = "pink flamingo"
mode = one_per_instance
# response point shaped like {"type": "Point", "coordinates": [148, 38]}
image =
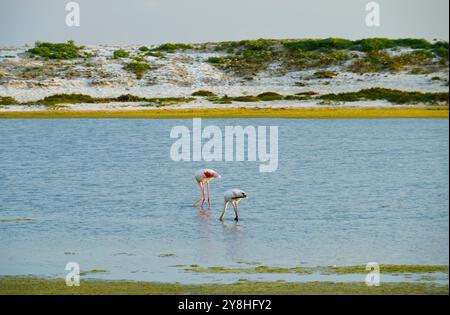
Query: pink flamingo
{"type": "Point", "coordinates": [234, 196]}
{"type": "Point", "coordinates": [203, 177]}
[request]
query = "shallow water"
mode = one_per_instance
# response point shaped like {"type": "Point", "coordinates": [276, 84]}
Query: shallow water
{"type": "Point", "coordinates": [105, 194]}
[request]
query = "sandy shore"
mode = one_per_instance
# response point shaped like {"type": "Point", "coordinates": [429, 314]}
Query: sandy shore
{"type": "Point", "coordinates": [306, 113]}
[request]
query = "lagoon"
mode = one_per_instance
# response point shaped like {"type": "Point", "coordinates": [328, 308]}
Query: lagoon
{"type": "Point", "coordinates": [106, 194]}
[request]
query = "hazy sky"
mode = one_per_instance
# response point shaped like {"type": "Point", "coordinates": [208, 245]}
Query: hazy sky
{"type": "Point", "coordinates": [157, 21]}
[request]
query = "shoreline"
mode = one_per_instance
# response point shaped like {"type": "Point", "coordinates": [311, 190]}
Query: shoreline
{"type": "Point", "coordinates": [439, 112]}
{"type": "Point", "coordinates": [30, 285]}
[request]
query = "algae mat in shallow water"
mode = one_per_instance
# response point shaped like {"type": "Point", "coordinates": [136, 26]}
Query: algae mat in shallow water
{"type": "Point", "coordinates": [42, 286]}
{"type": "Point", "coordinates": [386, 269]}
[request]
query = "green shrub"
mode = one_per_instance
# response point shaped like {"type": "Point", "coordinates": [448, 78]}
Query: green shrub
{"type": "Point", "coordinates": [56, 51]}
{"type": "Point", "coordinates": [68, 99]}
{"type": "Point", "coordinates": [144, 48]}
{"type": "Point", "coordinates": [161, 102]}
{"type": "Point", "coordinates": [325, 74]}
{"type": "Point", "coordinates": [204, 93]}
{"type": "Point", "coordinates": [366, 45]}
{"type": "Point", "coordinates": [138, 68]}
{"type": "Point", "coordinates": [129, 98]}
{"type": "Point", "coordinates": [156, 54]}
{"type": "Point", "coordinates": [392, 96]}
{"type": "Point", "coordinates": [8, 100]}
{"type": "Point", "coordinates": [270, 96]}
{"type": "Point", "coordinates": [376, 61]}
{"type": "Point", "coordinates": [216, 60]}
{"type": "Point", "coordinates": [172, 48]}
{"type": "Point", "coordinates": [319, 44]}
{"type": "Point", "coordinates": [246, 99]}
{"type": "Point", "coordinates": [121, 54]}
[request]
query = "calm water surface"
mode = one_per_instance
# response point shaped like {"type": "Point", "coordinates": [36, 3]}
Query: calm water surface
{"type": "Point", "coordinates": [105, 194]}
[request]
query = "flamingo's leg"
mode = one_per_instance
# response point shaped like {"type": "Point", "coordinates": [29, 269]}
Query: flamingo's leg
{"type": "Point", "coordinates": [203, 194]}
{"type": "Point", "coordinates": [235, 206]}
{"type": "Point", "coordinates": [209, 195]}
{"type": "Point", "coordinates": [224, 211]}
{"type": "Point", "coordinates": [200, 184]}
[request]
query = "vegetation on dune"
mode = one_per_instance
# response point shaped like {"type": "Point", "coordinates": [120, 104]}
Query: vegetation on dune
{"type": "Point", "coordinates": [156, 54]}
{"type": "Point", "coordinates": [7, 100]}
{"type": "Point", "coordinates": [66, 99]}
{"type": "Point", "coordinates": [43, 286]}
{"type": "Point", "coordinates": [379, 61]}
{"type": "Point", "coordinates": [58, 99]}
{"type": "Point", "coordinates": [172, 48]}
{"type": "Point", "coordinates": [247, 58]}
{"type": "Point", "coordinates": [374, 94]}
{"type": "Point", "coordinates": [270, 96]}
{"type": "Point", "coordinates": [393, 96]}
{"type": "Point", "coordinates": [390, 95]}
{"type": "Point", "coordinates": [326, 74]}
{"type": "Point", "coordinates": [367, 55]}
{"type": "Point", "coordinates": [364, 45]}
{"type": "Point", "coordinates": [138, 68]}
{"type": "Point", "coordinates": [204, 93]}
{"type": "Point", "coordinates": [161, 102]}
{"type": "Point", "coordinates": [57, 51]}
{"type": "Point", "coordinates": [121, 54]}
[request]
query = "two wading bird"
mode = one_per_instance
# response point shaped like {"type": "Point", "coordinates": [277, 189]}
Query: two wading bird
{"type": "Point", "coordinates": [203, 177]}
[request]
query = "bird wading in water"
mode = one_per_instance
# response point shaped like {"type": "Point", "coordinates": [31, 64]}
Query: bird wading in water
{"type": "Point", "coordinates": [234, 196]}
{"type": "Point", "coordinates": [203, 177]}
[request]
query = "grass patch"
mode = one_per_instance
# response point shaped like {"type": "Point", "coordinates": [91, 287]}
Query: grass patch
{"type": "Point", "coordinates": [42, 286]}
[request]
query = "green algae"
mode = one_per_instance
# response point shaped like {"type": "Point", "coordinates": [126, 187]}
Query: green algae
{"type": "Point", "coordinates": [42, 286]}
{"type": "Point", "coordinates": [359, 269]}
{"type": "Point", "coordinates": [16, 220]}
{"type": "Point", "coordinates": [92, 271]}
